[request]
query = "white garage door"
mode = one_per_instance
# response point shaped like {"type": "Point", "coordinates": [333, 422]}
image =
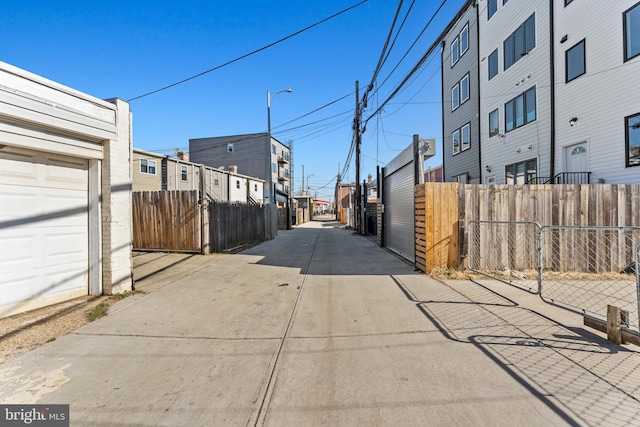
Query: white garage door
{"type": "Point", "coordinates": [43, 229]}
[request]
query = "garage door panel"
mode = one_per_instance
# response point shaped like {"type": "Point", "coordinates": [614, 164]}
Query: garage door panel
{"type": "Point", "coordinates": [399, 211]}
{"type": "Point", "coordinates": [44, 255]}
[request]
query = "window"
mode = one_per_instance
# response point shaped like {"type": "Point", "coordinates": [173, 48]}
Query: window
{"type": "Point", "coordinates": [229, 148]}
{"type": "Point", "coordinates": [273, 148]}
{"type": "Point", "coordinates": [455, 53]}
{"type": "Point", "coordinates": [566, 2]}
{"type": "Point", "coordinates": [455, 136]}
{"type": "Point", "coordinates": [237, 183]}
{"type": "Point", "coordinates": [493, 64]}
{"type": "Point", "coordinates": [460, 45]}
{"type": "Point", "coordinates": [632, 138]}
{"type": "Point", "coordinates": [455, 97]}
{"type": "Point", "coordinates": [461, 139]}
{"type": "Point", "coordinates": [631, 23]}
{"type": "Point", "coordinates": [520, 111]}
{"type": "Point", "coordinates": [464, 89]}
{"type": "Point", "coordinates": [465, 143]}
{"type": "Point", "coordinates": [274, 168]}
{"type": "Point", "coordinates": [460, 92]}
{"type": "Point", "coordinates": [574, 62]}
{"type": "Point", "coordinates": [520, 42]}
{"type": "Point", "coordinates": [464, 40]}
{"type": "Point", "coordinates": [494, 123]}
{"type": "Point", "coordinates": [216, 179]}
{"type": "Point", "coordinates": [183, 173]}
{"type": "Point", "coordinates": [492, 8]}
{"type": "Point", "coordinates": [148, 166]}
{"type": "Point", "coordinates": [463, 178]}
{"type": "Point", "coordinates": [521, 172]}
{"type": "Point", "coordinates": [255, 187]}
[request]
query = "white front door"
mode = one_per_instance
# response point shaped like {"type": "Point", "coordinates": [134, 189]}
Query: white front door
{"type": "Point", "coordinates": [576, 158]}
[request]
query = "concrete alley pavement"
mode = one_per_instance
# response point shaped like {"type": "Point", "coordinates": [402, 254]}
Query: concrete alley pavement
{"type": "Point", "coordinates": [322, 327]}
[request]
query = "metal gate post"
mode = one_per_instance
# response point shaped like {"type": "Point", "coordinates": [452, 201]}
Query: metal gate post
{"type": "Point", "coordinates": [539, 231]}
{"type": "Point", "coordinates": [638, 282]}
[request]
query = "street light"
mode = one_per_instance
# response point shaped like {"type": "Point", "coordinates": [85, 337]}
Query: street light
{"type": "Point", "coordinates": [309, 176]}
{"type": "Point", "coordinates": [272, 194]}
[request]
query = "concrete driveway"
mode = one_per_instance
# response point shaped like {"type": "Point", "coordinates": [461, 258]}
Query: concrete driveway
{"type": "Point", "coordinates": [321, 327]}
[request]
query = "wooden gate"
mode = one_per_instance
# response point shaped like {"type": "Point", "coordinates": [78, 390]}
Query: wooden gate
{"type": "Point", "coordinates": [166, 220]}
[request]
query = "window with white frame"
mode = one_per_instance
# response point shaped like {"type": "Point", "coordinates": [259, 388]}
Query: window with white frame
{"type": "Point", "coordinates": [461, 139]}
{"type": "Point", "coordinates": [520, 111]}
{"type": "Point", "coordinates": [184, 173]}
{"type": "Point", "coordinates": [494, 123]}
{"type": "Point", "coordinates": [237, 183]}
{"type": "Point", "coordinates": [574, 59]}
{"type": "Point", "coordinates": [465, 137]}
{"type": "Point", "coordinates": [455, 138]}
{"type": "Point", "coordinates": [631, 20]}
{"type": "Point", "coordinates": [464, 39]}
{"type": "Point", "coordinates": [492, 8]}
{"type": "Point", "coordinates": [273, 148]}
{"type": "Point", "coordinates": [632, 138]}
{"type": "Point", "coordinates": [460, 92]}
{"type": "Point", "coordinates": [460, 44]}
{"type": "Point", "coordinates": [148, 166]}
{"type": "Point", "coordinates": [464, 89]}
{"type": "Point", "coordinates": [255, 187]}
{"type": "Point", "coordinates": [455, 51]}
{"type": "Point", "coordinates": [493, 64]}
{"type": "Point", "coordinates": [274, 168]}
{"type": "Point", "coordinates": [216, 179]}
{"type": "Point", "coordinates": [455, 96]}
{"type": "Point", "coordinates": [520, 42]}
{"type": "Point", "coordinates": [229, 148]}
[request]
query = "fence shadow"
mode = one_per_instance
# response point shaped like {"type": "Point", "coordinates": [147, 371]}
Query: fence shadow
{"type": "Point", "coordinates": [579, 375]}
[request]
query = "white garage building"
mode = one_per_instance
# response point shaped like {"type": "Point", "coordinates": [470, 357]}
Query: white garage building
{"type": "Point", "coordinates": [65, 193]}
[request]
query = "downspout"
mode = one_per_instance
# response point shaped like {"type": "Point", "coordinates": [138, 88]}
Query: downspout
{"type": "Point", "coordinates": [475, 5]}
{"type": "Point", "coordinates": [442, 45]}
{"type": "Point", "coordinates": [552, 93]}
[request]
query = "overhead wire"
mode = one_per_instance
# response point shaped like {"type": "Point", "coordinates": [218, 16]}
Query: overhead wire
{"type": "Point", "coordinates": [247, 54]}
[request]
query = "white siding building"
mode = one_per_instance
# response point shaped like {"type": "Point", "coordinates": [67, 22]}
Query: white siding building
{"type": "Point", "coordinates": [597, 90]}
{"type": "Point", "coordinates": [515, 90]}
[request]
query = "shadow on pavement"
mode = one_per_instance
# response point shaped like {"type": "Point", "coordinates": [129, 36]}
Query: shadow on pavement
{"type": "Point", "coordinates": [580, 376]}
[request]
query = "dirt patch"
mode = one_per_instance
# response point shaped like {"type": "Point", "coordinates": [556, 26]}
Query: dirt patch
{"type": "Point", "coordinates": [24, 332]}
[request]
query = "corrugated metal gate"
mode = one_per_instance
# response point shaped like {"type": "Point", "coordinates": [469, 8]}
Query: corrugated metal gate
{"type": "Point", "coordinates": [398, 199]}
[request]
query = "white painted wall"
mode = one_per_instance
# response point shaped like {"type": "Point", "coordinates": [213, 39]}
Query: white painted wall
{"type": "Point", "coordinates": [533, 139]}
{"type": "Point", "coordinates": [237, 188]}
{"type": "Point", "coordinates": [608, 92]}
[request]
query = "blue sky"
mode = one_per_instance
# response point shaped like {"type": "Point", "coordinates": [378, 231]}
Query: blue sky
{"type": "Point", "coordinates": [126, 49]}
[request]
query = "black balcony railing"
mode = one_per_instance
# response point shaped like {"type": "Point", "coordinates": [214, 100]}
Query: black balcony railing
{"type": "Point", "coordinates": [563, 178]}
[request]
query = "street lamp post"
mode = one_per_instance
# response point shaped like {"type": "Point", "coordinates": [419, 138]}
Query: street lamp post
{"type": "Point", "coordinates": [272, 187]}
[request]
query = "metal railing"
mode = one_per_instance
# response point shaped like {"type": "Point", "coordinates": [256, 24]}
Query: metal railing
{"type": "Point", "coordinates": [563, 178]}
{"type": "Point", "coordinates": [582, 269]}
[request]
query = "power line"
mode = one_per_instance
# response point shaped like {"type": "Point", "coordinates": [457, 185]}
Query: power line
{"type": "Point", "coordinates": [248, 54]}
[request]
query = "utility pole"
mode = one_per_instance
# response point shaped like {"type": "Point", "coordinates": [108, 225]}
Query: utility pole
{"type": "Point", "coordinates": [338, 194]}
{"type": "Point", "coordinates": [357, 130]}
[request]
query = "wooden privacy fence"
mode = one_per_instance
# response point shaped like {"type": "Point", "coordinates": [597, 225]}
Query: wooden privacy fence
{"type": "Point", "coordinates": [166, 220]}
{"type": "Point", "coordinates": [443, 211]}
{"type": "Point", "coordinates": [232, 225]}
{"type": "Point", "coordinates": [436, 229]}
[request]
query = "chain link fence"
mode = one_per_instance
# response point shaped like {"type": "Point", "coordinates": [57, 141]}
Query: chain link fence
{"type": "Point", "coordinates": [587, 268]}
{"type": "Point", "coordinates": [507, 251]}
{"type": "Point", "coordinates": [582, 269]}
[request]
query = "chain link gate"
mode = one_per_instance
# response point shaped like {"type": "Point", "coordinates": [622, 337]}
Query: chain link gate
{"type": "Point", "coordinates": [581, 269]}
{"type": "Point", "coordinates": [506, 251]}
{"type": "Point", "coordinates": [584, 269]}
